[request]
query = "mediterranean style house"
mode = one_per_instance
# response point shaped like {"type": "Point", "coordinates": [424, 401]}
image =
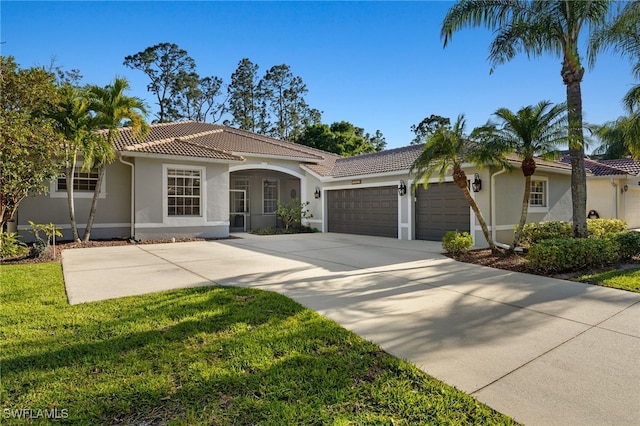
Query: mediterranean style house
{"type": "Point", "coordinates": [191, 179]}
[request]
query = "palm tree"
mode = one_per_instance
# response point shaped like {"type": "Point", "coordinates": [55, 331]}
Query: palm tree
{"type": "Point", "coordinates": [534, 28]}
{"type": "Point", "coordinates": [444, 152]}
{"type": "Point", "coordinates": [73, 121]}
{"type": "Point", "coordinates": [619, 138]}
{"type": "Point", "coordinates": [112, 107]}
{"type": "Point", "coordinates": [535, 130]}
{"type": "Point", "coordinates": [622, 34]}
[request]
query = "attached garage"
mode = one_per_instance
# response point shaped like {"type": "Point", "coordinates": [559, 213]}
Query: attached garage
{"type": "Point", "coordinates": [439, 209]}
{"type": "Point", "coordinates": [364, 211]}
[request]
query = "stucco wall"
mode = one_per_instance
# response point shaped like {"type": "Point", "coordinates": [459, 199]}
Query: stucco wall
{"type": "Point", "coordinates": [112, 219]}
{"type": "Point", "coordinates": [152, 220]}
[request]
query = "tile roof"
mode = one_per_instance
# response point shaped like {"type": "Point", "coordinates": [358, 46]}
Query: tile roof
{"type": "Point", "coordinates": [379, 162]}
{"type": "Point", "coordinates": [626, 164]}
{"type": "Point", "coordinates": [205, 140]}
{"type": "Point", "coordinates": [603, 167]}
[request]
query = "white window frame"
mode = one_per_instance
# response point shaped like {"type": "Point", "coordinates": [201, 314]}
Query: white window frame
{"type": "Point", "coordinates": [545, 196]}
{"type": "Point", "coordinates": [183, 220]}
{"type": "Point", "coordinates": [275, 200]}
{"type": "Point", "coordinates": [55, 193]}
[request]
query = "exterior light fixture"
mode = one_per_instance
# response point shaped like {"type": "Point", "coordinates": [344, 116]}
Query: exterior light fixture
{"type": "Point", "coordinates": [402, 188]}
{"type": "Point", "coordinates": [625, 188]}
{"type": "Point", "coordinates": [317, 193]}
{"type": "Point", "coordinates": [477, 183]}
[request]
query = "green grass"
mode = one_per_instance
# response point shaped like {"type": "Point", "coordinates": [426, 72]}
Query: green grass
{"type": "Point", "coordinates": [206, 356]}
{"type": "Point", "coordinates": [625, 280]}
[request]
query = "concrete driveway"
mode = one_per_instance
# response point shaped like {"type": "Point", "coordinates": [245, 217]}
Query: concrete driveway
{"type": "Point", "coordinates": [543, 351]}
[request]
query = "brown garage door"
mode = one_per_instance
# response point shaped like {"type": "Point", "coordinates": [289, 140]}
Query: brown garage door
{"type": "Point", "coordinates": [364, 211]}
{"type": "Point", "coordinates": [439, 209]}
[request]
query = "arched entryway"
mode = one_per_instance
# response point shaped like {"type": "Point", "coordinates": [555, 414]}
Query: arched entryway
{"type": "Point", "coordinates": [254, 194]}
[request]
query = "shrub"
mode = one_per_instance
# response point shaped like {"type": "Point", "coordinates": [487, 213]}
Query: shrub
{"type": "Point", "coordinates": [533, 233]}
{"type": "Point", "coordinates": [628, 243]}
{"type": "Point", "coordinates": [600, 227]}
{"type": "Point", "coordinates": [570, 254]}
{"type": "Point", "coordinates": [292, 213]}
{"type": "Point", "coordinates": [11, 246]}
{"type": "Point", "coordinates": [40, 248]}
{"type": "Point", "coordinates": [457, 242]}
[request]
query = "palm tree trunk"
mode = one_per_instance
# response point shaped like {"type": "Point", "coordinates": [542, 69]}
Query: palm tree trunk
{"type": "Point", "coordinates": [478, 213]}
{"type": "Point", "coordinates": [94, 203]}
{"type": "Point", "coordinates": [572, 78]}
{"type": "Point", "coordinates": [69, 173]}
{"type": "Point", "coordinates": [523, 215]}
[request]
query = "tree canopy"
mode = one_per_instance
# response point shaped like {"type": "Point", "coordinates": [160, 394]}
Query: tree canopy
{"type": "Point", "coordinates": [342, 138]}
{"type": "Point", "coordinates": [29, 146]}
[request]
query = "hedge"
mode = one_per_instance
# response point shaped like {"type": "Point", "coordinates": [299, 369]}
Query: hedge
{"type": "Point", "coordinates": [533, 233]}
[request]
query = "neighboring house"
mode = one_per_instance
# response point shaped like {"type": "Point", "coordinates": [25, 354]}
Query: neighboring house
{"type": "Point", "coordinates": [197, 179]}
{"type": "Point", "coordinates": [613, 189]}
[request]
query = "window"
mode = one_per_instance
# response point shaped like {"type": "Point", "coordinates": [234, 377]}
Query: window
{"type": "Point", "coordinates": [538, 196]}
{"type": "Point", "coordinates": [183, 192]}
{"type": "Point", "coordinates": [270, 196]}
{"type": "Point", "coordinates": [82, 181]}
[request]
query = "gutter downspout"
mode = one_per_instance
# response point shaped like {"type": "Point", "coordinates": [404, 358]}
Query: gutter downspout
{"type": "Point", "coordinates": [133, 177]}
{"type": "Point", "coordinates": [493, 207]}
{"type": "Point", "coordinates": [615, 198]}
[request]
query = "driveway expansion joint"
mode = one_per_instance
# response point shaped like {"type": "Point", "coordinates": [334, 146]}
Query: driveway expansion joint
{"type": "Point", "coordinates": [179, 266]}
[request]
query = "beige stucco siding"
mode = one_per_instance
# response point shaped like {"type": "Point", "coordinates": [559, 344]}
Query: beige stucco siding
{"type": "Point", "coordinates": [112, 217]}
{"type": "Point", "coordinates": [151, 217]}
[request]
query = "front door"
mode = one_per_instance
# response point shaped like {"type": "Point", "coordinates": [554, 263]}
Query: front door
{"type": "Point", "coordinates": [238, 213]}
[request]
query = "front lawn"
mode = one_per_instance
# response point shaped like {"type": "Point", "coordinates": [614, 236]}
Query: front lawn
{"type": "Point", "coordinates": [201, 356]}
{"type": "Point", "coordinates": [628, 279]}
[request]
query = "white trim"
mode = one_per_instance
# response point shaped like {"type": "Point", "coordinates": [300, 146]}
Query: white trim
{"type": "Point", "coordinates": [178, 221]}
{"type": "Point", "coordinates": [54, 193]}
{"type": "Point", "coordinates": [178, 158]}
{"type": "Point", "coordinates": [545, 208]}
{"type": "Point", "coordinates": [278, 157]}
{"type": "Point", "coordinates": [266, 166]}
{"type": "Point", "coordinates": [81, 225]}
{"type": "Point", "coordinates": [182, 225]}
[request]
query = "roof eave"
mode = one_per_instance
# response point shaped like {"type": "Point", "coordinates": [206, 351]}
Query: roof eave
{"type": "Point", "coordinates": [135, 154]}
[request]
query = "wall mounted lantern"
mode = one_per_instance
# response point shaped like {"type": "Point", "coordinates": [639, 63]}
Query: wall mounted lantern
{"type": "Point", "coordinates": [317, 193]}
{"type": "Point", "coordinates": [402, 188]}
{"type": "Point", "coordinates": [477, 183]}
{"type": "Point", "coordinates": [625, 188]}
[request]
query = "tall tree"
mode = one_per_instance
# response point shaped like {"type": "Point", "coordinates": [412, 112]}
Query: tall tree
{"type": "Point", "coordinates": [29, 146]}
{"type": "Point", "coordinates": [535, 28]}
{"type": "Point", "coordinates": [113, 109]}
{"type": "Point", "coordinates": [164, 64]}
{"type": "Point", "coordinates": [75, 125]}
{"type": "Point", "coordinates": [444, 152]}
{"type": "Point", "coordinates": [196, 98]}
{"type": "Point", "coordinates": [244, 96]}
{"type": "Point", "coordinates": [341, 138]}
{"type": "Point", "coordinates": [288, 114]}
{"type": "Point", "coordinates": [427, 127]}
{"type": "Point", "coordinates": [534, 130]}
{"type": "Point", "coordinates": [622, 34]}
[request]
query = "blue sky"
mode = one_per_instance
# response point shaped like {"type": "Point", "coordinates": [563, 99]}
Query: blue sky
{"type": "Point", "coordinates": [378, 65]}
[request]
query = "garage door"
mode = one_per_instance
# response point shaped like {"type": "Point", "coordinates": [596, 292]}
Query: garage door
{"type": "Point", "coordinates": [364, 211]}
{"type": "Point", "coordinates": [632, 207]}
{"type": "Point", "coordinates": [439, 209]}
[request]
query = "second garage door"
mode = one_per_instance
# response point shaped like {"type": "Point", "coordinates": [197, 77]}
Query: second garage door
{"type": "Point", "coordinates": [364, 211]}
{"type": "Point", "coordinates": [439, 209]}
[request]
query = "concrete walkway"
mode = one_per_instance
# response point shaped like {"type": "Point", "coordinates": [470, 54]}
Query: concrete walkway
{"type": "Point", "coordinates": [543, 351]}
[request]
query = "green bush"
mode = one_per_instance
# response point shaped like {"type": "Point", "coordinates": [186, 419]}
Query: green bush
{"type": "Point", "coordinates": [628, 243]}
{"type": "Point", "coordinates": [571, 254]}
{"type": "Point", "coordinates": [600, 227]}
{"type": "Point", "coordinates": [457, 242]}
{"type": "Point", "coordinates": [11, 246]}
{"type": "Point", "coordinates": [533, 233]}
